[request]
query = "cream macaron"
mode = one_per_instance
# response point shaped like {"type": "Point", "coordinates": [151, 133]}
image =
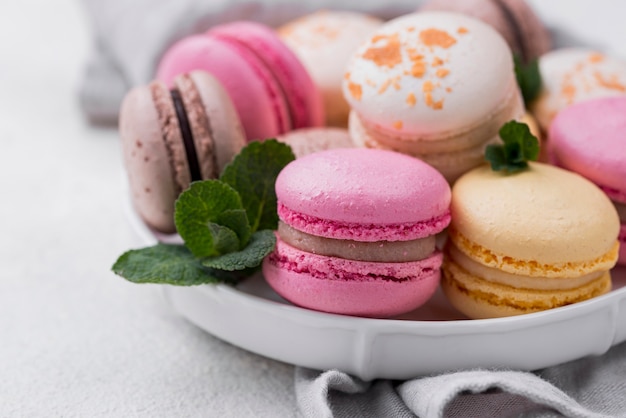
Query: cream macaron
{"type": "Point", "coordinates": [526, 242]}
{"type": "Point", "coordinates": [324, 41]}
{"type": "Point", "coordinates": [573, 75]}
{"type": "Point", "coordinates": [434, 85]}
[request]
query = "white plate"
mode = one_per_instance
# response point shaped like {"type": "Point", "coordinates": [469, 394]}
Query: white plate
{"type": "Point", "coordinates": [432, 339]}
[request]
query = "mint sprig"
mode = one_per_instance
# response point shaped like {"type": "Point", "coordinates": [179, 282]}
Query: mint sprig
{"type": "Point", "coordinates": [519, 146]}
{"type": "Point", "coordinates": [250, 174]}
{"type": "Point", "coordinates": [528, 79]}
{"type": "Point", "coordinates": [164, 264]}
{"type": "Point", "coordinates": [261, 244]}
{"type": "Point", "coordinates": [210, 218]}
{"type": "Point", "coordinates": [226, 225]}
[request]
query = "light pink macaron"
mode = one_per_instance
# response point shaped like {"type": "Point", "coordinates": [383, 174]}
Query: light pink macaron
{"type": "Point", "coordinates": [589, 138]}
{"type": "Point", "coordinates": [271, 89]}
{"type": "Point", "coordinates": [172, 137]}
{"type": "Point", "coordinates": [357, 232]}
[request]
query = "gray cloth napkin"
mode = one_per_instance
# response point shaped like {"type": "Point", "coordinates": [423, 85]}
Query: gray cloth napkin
{"type": "Point", "coordinates": [591, 387]}
{"type": "Point", "coordinates": [129, 38]}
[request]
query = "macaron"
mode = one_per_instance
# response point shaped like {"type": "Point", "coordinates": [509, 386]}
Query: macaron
{"type": "Point", "coordinates": [515, 20]}
{"type": "Point", "coordinates": [434, 85]}
{"type": "Point", "coordinates": [171, 137]}
{"type": "Point", "coordinates": [589, 138]}
{"type": "Point", "coordinates": [271, 89]}
{"type": "Point", "coordinates": [324, 41]}
{"type": "Point", "coordinates": [356, 232]}
{"type": "Point", "coordinates": [309, 140]}
{"type": "Point", "coordinates": [526, 242]}
{"type": "Point", "coordinates": [572, 75]}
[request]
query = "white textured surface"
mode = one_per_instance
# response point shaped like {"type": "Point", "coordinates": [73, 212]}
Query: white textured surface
{"type": "Point", "coordinates": [75, 340]}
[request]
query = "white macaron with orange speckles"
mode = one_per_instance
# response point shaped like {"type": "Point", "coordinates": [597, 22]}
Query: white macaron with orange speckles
{"type": "Point", "coordinates": [434, 85]}
{"type": "Point", "coordinates": [573, 75]}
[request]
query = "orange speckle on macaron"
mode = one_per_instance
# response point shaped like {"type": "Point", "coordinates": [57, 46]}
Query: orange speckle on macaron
{"type": "Point", "coordinates": [411, 100]}
{"type": "Point", "coordinates": [568, 90]}
{"type": "Point", "coordinates": [398, 124]}
{"type": "Point", "coordinates": [396, 82]}
{"type": "Point", "coordinates": [462, 30]}
{"type": "Point", "coordinates": [430, 102]}
{"type": "Point", "coordinates": [611, 83]}
{"type": "Point", "coordinates": [346, 75]}
{"type": "Point", "coordinates": [442, 72]}
{"type": "Point", "coordinates": [596, 57]}
{"type": "Point", "coordinates": [355, 90]}
{"type": "Point", "coordinates": [386, 55]}
{"type": "Point", "coordinates": [428, 86]}
{"type": "Point", "coordinates": [418, 69]}
{"type": "Point", "coordinates": [436, 37]}
{"type": "Point", "coordinates": [384, 86]}
{"type": "Point", "coordinates": [437, 62]}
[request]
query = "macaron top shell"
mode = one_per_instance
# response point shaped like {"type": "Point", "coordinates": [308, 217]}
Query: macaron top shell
{"type": "Point", "coordinates": [571, 75]}
{"type": "Point", "coordinates": [268, 85]}
{"type": "Point", "coordinates": [544, 214]}
{"type": "Point", "coordinates": [363, 186]}
{"type": "Point", "coordinates": [430, 72]}
{"type": "Point", "coordinates": [304, 103]}
{"type": "Point", "coordinates": [326, 39]}
{"type": "Point", "coordinates": [590, 139]}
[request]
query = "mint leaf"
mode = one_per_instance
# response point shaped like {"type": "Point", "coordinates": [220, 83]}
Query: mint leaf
{"type": "Point", "coordinates": [519, 146]}
{"type": "Point", "coordinates": [165, 264]}
{"type": "Point", "coordinates": [203, 214]}
{"type": "Point", "coordinates": [253, 173]}
{"type": "Point", "coordinates": [528, 78]}
{"type": "Point", "coordinates": [495, 155]}
{"type": "Point", "coordinates": [261, 244]}
{"type": "Point", "coordinates": [224, 239]}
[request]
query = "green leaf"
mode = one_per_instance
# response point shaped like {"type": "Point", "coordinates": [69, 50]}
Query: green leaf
{"type": "Point", "coordinates": [165, 264]}
{"type": "Point", "coordinates": [224, 239]}
{"type": "Point", "coordinates": [203, 214]}
{"type": "Point", "coordinates": [528, 78]}
{"type": "Point", "coordinates": [253, 173]}
{"type": "Point", "coordinates": [519, 146]}
{"type": "Point", "coordinates": [261, 244]}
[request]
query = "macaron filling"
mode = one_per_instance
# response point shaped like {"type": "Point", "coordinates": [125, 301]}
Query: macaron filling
{"type": "Point", "coordinates": [458, 284]}
{"type": "Point", "coordinates": [379, 251]}
{"type": "Point", "coordinates": [363, 232]}
{"type": "Point", "coordinates": [288, 258]}
{"type": "Point", "coordinates": [533, 268]}
{"type": "Point", "coordinates": [516, 280]}
{"type": "Point", "coordinates": [185, 130]}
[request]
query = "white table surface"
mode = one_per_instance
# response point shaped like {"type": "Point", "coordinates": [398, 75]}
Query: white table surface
{"type": "Point", "coordinates": [76, 340]}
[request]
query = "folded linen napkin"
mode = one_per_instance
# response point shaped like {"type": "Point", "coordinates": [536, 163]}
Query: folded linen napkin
{"type": "Point", "coordinates": [591, 387]}
{"type": "Point", "coordinates": [129, 38]}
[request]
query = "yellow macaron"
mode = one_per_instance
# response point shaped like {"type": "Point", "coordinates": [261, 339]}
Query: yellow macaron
{"type": "Point", "coordinates": [527, 241]}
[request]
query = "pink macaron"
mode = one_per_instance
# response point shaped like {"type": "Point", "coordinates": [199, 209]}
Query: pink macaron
{"type": "Point", "coordinates": [309, 140]}
{"type": "Point", "coordinates": [171, 137]}
{"type": "Point", "coordinates": [269, 86]}
{"type": "Point", "coordinates": [589, 139]}
{"type": "Point", "coordinates": [357, 232]}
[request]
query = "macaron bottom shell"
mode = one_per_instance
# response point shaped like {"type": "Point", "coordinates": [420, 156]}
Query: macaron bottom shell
{"type": "Point", "coordinates": [482, 292]}
{"type": "Point", "coordinates": [451, 152]}
{"type": "Point", "coordinates": [348, 287]}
